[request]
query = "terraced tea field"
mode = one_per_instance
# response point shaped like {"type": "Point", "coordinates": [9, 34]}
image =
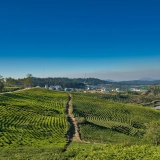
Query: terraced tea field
{"type": "Point", "coordinates": [108, 121]}
{"type": "Point", "coordinates": [90, 151]}
{"type": "Point", "coordinates": [139, 99]}
{"type": "Point", "coordinates": [34, 117]}
{"type": "Point", "coordinates": [84, 151]}
{"type": "Point", "coordinates": [33, 125]}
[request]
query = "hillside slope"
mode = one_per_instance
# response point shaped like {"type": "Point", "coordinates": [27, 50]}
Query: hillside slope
{"type": "Point", "coordinates": [34, 117]}
{"type": "Point", "coordinates": [111, 122]}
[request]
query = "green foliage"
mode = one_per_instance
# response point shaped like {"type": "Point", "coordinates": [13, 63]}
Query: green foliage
{"type": "Point", "coordinates": [10, 81]}
{"type": "Point", "coordinates": [83, 151]}
{"type": "Point", "coordinates": [1, 86]}
{"type": "Point", "coordinates": [1, 83]}
{"type": "Point", "coordinates": [153, 132]}
{"type": "Point", "coordinates": [119, 118]}
{"type": "Point", "coordinates": [112, 152]}
{"type": "Point", "coordinates": [141, 99]}
{"type": "Point", "coordinates": [34, 81]}
{"type": "Point", "coordinates": [98, 134]}
{"type": "Point", "coordinates": [155, 89]}
{"type": "Point", "coordinates": [11, 89]}
{"type": "Point", "coordinates": [34, 122]}
{"type": "Point", "coordinates": [32, 153]}
{"type": "Point", "coordinates": [28, 80]}
{"type": "Point", "coordinates": [81, 120]}
{"type": "Point", "coordinates": [34, 117]}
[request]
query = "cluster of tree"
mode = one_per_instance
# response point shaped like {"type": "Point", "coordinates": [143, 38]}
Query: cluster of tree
{"type": "Point", "coordinates": [1, 83]}
{"type": "Point", "coordinates": [96, 81]}
{"type": "Point", "coordinates": [91, 81]}
{"type": "Point", "coordinates": [29, 81]}
{"type": "Point", "coordinates": [63, 82]}
{"type": "Point", "coordinates": [26, 82]}
{"type": "Point", "coordinates": [154, 89]}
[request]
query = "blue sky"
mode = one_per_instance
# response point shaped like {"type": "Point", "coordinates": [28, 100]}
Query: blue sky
{"type": "Point", "coordinates": [107, 39]}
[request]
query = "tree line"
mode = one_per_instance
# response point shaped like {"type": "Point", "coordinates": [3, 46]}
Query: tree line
{"type": "Point", "coordinates": [9, 81]}
{"type": "Point", "coordinates": [63, 82]}
{"type": "Point", "coordinates": [30, 81]}
{"type": "Point", "coordinates": [1, 83]}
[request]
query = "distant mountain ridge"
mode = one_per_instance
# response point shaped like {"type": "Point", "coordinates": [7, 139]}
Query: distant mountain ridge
{"type": "Point", "coordinates": [139, 82]}
{"type": "Point", "coordinates": [82, 82]}
{"type": "Point", "coordinates": [110, 80]}
{"type": "Point", "coordinates": [91, 81]}
{"type": "Point", "coordinates": [147, 79]}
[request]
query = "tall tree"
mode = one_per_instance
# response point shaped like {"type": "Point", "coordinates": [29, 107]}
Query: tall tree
{"type": "Point", "coordinates": [10, 81]}
{"type": "Point", "coordinates": [1, 83]}
{"type": "Point", "coordinates": [28, 80]}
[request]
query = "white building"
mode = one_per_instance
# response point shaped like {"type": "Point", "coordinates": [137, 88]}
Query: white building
{"type": "Point", "coordinates": [51, 87]}
{"type": "Point", "coordinates": [103, 90]}
{"type": "Point", "coordinates": [55, 87]}
{"type": "Point", "coordinates": [46, 86]}
{"type": "Point", "coordinates": [117, 89]}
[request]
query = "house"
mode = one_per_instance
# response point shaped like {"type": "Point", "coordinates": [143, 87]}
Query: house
{"type": "Point", "coordinates": [51, 87]}
{"type": "Point", "coordinates": [134, 90]}
{"type": "Point", "coordinates": [68, 89]}
{"type": "Point", "coordinates": [46, 86]}
{"type": "Point", "coordinates": [117, 89]}
{"type": "Point", "coordinates": [103, 90]}
{"type": "Point", "coordinates": [57, 87]}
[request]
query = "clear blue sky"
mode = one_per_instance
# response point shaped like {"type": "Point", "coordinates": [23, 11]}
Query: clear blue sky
{"type": "Point", "coordinates": [108, 39]}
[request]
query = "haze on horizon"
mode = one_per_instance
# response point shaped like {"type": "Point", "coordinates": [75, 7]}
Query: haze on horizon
{"type": "Point", "coordinates": [106, 39]}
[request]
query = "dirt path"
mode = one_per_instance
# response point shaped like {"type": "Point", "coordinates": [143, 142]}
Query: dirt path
{"type": "Point", "coordinates": [76, 136]}
{"type": "Point", "coordinates": [16, 91]}
{"type": "Point", "coordinates": [72, 133]}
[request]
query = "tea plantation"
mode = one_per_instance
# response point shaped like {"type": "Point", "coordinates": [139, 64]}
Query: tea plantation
{"type": "Point", "coordinates": [34, 125]}
{"type": "Point", "coordinates": [34, 117]}
{"type": "Point", "coordinates": [111, 122]}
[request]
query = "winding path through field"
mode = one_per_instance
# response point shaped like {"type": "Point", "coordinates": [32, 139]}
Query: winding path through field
{"type": "Point", "coordinates": [76, 136]}
{"type": "Point", "coordinates": [72, 133]}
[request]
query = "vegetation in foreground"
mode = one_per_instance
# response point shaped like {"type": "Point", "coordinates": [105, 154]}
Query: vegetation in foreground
{"type": "Point", "coordinates": [33, 125]}
{"type": "Point", "coordinates": [151, 98]}
{"type": "Point", "coordinates": [111, 122]}
{"type": "Point", "coordinates": [34, 117]}
{"type": "Point", "coordinates": [83, 151]}
{"type": "Point", "coordinates": [110, 151]}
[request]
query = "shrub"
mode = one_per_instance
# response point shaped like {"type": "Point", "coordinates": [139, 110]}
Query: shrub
{"type": "Point", "coordinates": [81, 120]}
{"type": "Point", "coordinates": [153, 132]}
